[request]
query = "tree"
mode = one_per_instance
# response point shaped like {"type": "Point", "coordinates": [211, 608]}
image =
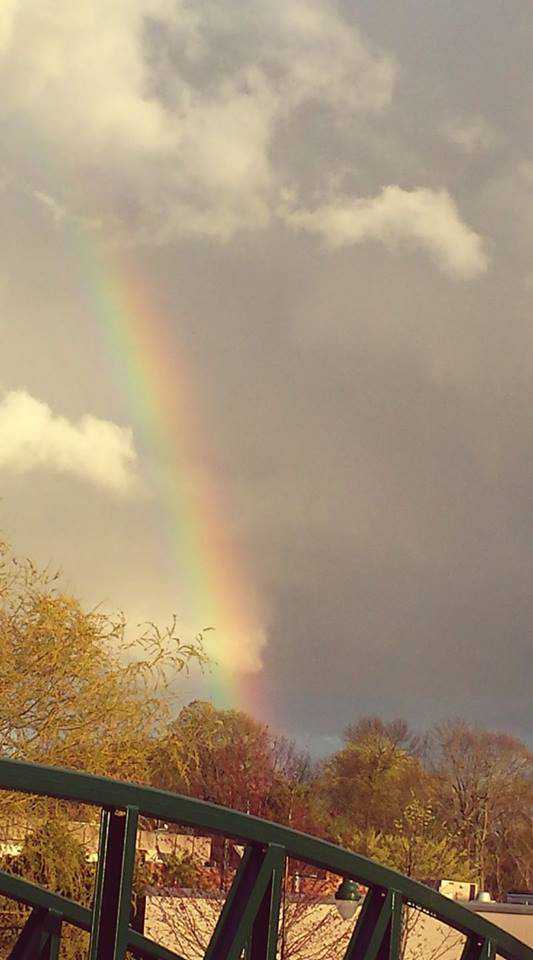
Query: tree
{"type": "Point", "coordinates": [227, 757]}
{"type": "Point", "coordinates": [485, 793]}
{"type": "Point", "coordinates": [223, 756]}
{"type": "Point", "coordinates": [293, 799]}
{"type": "Point", "coordinates": [310, 926]}
{"type": "Point", "coordinates": [53, 858]}
{"type": "Point", "coordinates": [75, 689]}
{"type": "Point", "coordinates": [395, 732]}
{"type": "Point", "coordinates": [370, 780]}
{"type": "Point", "coordinates": [420, 846]}
{"type": "Point", "coordinates": [510, 847]}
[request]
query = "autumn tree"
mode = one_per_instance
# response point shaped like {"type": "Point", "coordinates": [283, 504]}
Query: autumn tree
{"type": "Point", "coordinates": [53, 858]}
{"type": "Point", "coordinates": [227, 757]}
{"type": "Point", "coordinates": [395, 733]}
{"type": "Point", "coordinates": [420, 845]}
{"type": "Point", "coordinates": [77, 690]}
{"type": "Point", "coordinates": [510, 846]}
{"type": "Point", "coordinates": [223, 756]}
{"type": "Point", "coordinates": [370, 780]}
{"type": "Point", "coordinates": [294, 799]}
{"type": "Point", "coordinates": [485, 799]}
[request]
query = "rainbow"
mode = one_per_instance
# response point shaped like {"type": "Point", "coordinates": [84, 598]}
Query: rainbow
{"type": "Point", "coordinates": [162, 399]}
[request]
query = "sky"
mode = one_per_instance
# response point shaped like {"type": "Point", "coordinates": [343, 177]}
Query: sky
{"type": "Point", "coordinates": [266, 343]}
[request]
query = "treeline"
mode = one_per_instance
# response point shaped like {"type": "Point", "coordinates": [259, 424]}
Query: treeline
{"type": "Point", "coordinates": [78, 691]}
{"type": "Point", "coordinates": [453, 804]}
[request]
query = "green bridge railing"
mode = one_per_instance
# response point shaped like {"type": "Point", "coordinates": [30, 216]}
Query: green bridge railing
{"type": "Point", "coordinates": [250, 916]}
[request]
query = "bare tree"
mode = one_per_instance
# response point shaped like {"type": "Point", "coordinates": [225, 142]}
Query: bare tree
{"type": "Point", "coordinates": [486, 782]}
{"type": "Point", "coordinates": [310, 925]}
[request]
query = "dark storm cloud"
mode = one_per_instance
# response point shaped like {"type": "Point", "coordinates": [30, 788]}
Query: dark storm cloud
{"type": "Point", "coordinates": [373, 425]}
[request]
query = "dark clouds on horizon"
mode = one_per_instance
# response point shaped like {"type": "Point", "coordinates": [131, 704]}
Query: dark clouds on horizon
{"type": "Point", "coordinates": [336, 211]}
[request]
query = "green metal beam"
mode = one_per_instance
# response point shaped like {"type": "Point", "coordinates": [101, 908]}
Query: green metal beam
{"type": "Point", "coordinates": [31, 938]}
{"type": "Point", "coordinates": [39, 938]}
{"type": "Point", "coordinates": [264, 940]}
{"type": "Point", "coordinates": [243, 883]}
{"type": "Point", "coordinates": [377, 933]}
{"type": "Point", "coordinates": [112, 898]}
{"type": "Point", "coordinates": [70, 912]}
{"type": "Point", "coordinates": [251, 909]}
{"type": "Point", "coordinates": [478, 949]}
{"type": "Point", "coordinates": [393, 942]}
{"type": "Point", "coordinates": [50, 950]}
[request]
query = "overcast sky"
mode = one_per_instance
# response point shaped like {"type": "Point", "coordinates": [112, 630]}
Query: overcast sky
{"type": "Point", "coordinates": [332, 206]}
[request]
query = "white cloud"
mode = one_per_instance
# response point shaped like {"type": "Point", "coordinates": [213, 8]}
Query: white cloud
{"type": "Point", "coordinates": [164, 114]}
{"type": "Point", "coordinates": [424, 218]}
{"type": "Point", "coordinates": [33, 437]}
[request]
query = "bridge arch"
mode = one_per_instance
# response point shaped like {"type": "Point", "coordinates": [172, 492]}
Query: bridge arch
{"type": "Point", "coordinates": [250, 916]}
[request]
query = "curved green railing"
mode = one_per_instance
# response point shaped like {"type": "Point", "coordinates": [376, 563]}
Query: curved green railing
{"type": "Point", "coordinates": [250, 916]}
